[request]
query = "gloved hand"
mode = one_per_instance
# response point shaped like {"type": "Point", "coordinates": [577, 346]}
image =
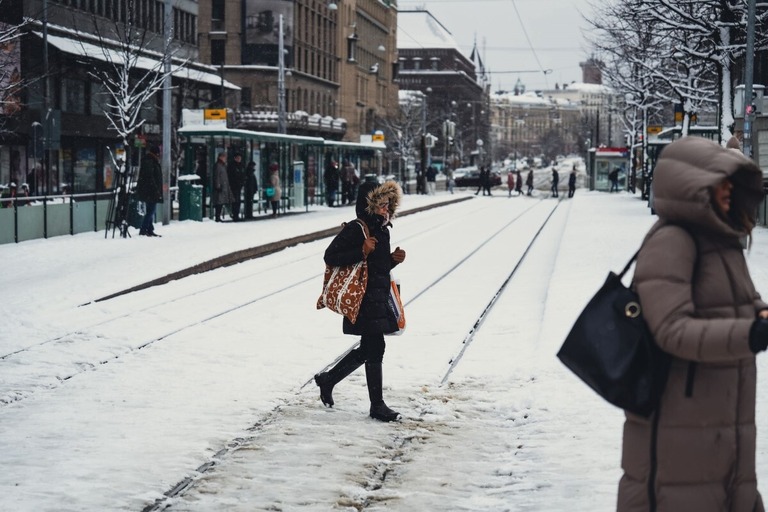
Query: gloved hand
{"type": "Point", "coordinates": [758, 335]}
{"type": "Point", "coordinates": [398, 255]}
{"type": "Point", "coordinates": [369, 245]}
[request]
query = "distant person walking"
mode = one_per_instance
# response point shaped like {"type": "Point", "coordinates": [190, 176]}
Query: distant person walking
{"type": "Point", "coordinates": [519, 183]}
{"type": "Point", "coordinates": [555, 181]}
{"type": "Point", "coordinates": [572, 182]}
{"type": "Point", "coordinates": [431, 180]}
{"type": "Point", "coordinates": [529, 182]}
{"type": "Point", "coordinates": [510, 183]}
{"type": "Point", "coordinates": [481, 181]}
{"type": "Point", "coordinates": [449, 181]}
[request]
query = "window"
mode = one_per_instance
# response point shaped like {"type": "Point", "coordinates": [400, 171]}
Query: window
{"type": "Point", "coordinates": [352, 48]}
{"type": "Point", "coordinates": [218, 52]}
{"type": "Point", "coordinates": [99, 99]}
{"type": "Point", "coordinates": [73, 96]}
{"type": "Point", "coordinates": [217, 10]}
{"type": "Point", "coordinates": [245, 98]}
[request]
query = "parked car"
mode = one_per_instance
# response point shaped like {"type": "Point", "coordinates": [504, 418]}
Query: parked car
{"type": "Point", "coordinates": [471, 178]}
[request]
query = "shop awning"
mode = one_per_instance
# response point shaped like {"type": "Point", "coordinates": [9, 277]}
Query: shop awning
{"type": "Point", "coordinates": [93, 51]}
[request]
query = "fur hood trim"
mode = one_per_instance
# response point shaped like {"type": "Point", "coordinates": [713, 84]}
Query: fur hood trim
{"type": "Point", "coordinates": [388, 191]}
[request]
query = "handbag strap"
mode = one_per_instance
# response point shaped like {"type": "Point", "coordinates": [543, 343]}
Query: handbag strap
{"type": "Point", "coordinates": [629, 264]}
{"type": "Point", "coordinates": [364, 226]}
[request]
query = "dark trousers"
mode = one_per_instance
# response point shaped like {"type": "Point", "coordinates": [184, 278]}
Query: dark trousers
{"type": "Point", "coordinates": [149, 218]}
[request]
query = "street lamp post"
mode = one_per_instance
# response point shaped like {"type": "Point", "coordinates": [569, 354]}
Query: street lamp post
{"type": "Point", "coordinates": [281, 128]}
{"type": "Point", "coordinates": [480, 152]}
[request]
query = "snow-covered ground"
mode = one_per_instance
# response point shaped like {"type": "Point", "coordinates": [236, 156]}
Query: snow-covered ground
{"type": "Point", "coordinates": [206, 380]}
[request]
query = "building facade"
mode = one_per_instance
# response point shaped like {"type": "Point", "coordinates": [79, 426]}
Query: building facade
{"type": "Point", "coordinates": [430, 62]}
{"type": "Point", "coordinates": [58, 138]}
{"type": "Point", "coordinates": [335, 76]}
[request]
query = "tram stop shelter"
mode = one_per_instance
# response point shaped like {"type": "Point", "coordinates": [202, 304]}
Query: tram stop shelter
{"type": "Point", "coordinates": [301, 161]}
{"type": "Point", "coordinates": [601, 162]}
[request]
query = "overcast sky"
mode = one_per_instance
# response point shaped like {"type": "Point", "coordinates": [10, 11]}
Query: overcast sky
{"type": "Point", "coordinates": [554, 29]}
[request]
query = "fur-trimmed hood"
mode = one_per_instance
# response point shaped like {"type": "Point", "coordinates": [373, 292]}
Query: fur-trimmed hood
{"type": "Point", "coordinates": [371, 194]}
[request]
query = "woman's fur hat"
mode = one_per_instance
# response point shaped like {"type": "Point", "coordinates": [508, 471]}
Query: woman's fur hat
{"type": "Point", "coordinates": [388, 191]}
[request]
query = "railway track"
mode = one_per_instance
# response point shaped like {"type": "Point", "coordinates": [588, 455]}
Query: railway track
{"type": "Point", "coordinates": [404, 436]}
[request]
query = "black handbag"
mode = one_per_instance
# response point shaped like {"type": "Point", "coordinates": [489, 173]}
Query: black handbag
{"type": "Point", "coordinates": [612, 350]}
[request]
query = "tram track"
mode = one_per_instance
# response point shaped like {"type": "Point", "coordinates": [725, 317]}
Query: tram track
{"type": "Point", "coordinates": [90, 334]}
{"type": "Point", "coordinates": [400, 439]}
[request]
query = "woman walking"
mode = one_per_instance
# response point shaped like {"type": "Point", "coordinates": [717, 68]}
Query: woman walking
{"type": "Point", "coordinates": [376, 206]}
{"type": "Point", "coordinates": [697, 451]}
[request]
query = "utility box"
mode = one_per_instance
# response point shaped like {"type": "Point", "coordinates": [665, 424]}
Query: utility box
{"type": "Point", "coordinates": [190, 197]}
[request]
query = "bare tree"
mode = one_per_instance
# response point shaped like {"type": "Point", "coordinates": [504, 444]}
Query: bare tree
{"type": "Point", "coordinates": [690, 51]}
{"type": "Point", "coordinates": [11, 83]}
{"type": "Point", "coordinates": [131, 69]}
{"type": "Point", "coordinates": [403, 132]}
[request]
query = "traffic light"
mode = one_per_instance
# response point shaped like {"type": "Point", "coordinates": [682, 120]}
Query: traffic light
{"type": "Point", "coordinates": [450, 141]}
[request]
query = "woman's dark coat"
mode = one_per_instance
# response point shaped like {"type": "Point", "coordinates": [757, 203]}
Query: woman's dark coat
{"type": "Point", "coordinates": [347, 249]}
{"type": "Point", "coordinates": [149, 188]}
{"type": "Point", "coordinates": [697, 452]}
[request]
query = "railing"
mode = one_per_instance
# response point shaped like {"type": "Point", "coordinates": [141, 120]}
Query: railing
{"type": "Point", "coordinates": [28, 218]}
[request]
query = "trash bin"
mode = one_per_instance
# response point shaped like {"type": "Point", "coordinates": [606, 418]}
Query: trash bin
{"type": "Point", "coordinates": [190, 198]}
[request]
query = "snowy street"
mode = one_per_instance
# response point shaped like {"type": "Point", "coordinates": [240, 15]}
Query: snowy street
{"type": "Point", "coordinates": [197, 395]}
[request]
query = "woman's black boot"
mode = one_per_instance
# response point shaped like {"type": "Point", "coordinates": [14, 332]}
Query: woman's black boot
{"type": "Point", "coordinates": [327, 380]}
{"type": "Point", "coordinates": [379, 409]}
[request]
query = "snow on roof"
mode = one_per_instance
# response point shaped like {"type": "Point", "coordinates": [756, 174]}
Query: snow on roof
{"type": "Point", "coordinates": [420, 30]}
{"type": "Point", "coordinates": [593, 88]}
{"type": "Point", "coordinates": [528, 98]}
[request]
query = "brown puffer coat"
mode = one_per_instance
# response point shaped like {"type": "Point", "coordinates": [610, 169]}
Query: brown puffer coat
{"type": "Point", "coordinates": [698, 450]}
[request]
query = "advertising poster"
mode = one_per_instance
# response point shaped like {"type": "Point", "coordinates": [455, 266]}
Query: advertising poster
{"type": "Point", "coordinates": [261, 29]}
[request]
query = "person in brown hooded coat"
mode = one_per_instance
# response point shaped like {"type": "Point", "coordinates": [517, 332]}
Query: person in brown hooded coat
{"type": "Point", "coordinates": [697, 451]}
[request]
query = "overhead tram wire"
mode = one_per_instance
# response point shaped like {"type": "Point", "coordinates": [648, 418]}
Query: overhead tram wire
{"type": "Point", "coordinates": [527, 38]}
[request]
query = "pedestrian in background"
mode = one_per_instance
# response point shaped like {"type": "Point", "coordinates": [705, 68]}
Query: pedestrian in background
{"type": "Point", "coordinates": [529, 182]}
{"type": "Point", "coordinates": [331, 182]}
{"type": "Point", "coordinates": [431, 180]}
{"type": "Point", "coordinates": [222, 194]}
{"type": "Point", "coordinates": [236, 175]}
{"type": "Point", "coordinates": [449, 181]}
{"type": "Point", "coordinates": [510, 183]}
{"type": "Point", "coordinates": [613, 177]}
{"type": "Point", "coordinates": [149, 189]}
{"type": "Point", "coordinates": [274, 182]}
{"type": "Point", "coordinates": [697, 450]}
{"type": "Point", "coordinates": [353, 181]}
{"type": "Point", "coordinates": [519, 183]}
{"type": "Point", "coordinates": [487, 184]}
{"type": "Point", "coordinates": [376, 206]}
{"type": "Point", "coordinates": [251, 188]}
{"type": "Point", "coordinates": [555, 181]}
{"type": "Point", "coordinates": [572, 182]}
